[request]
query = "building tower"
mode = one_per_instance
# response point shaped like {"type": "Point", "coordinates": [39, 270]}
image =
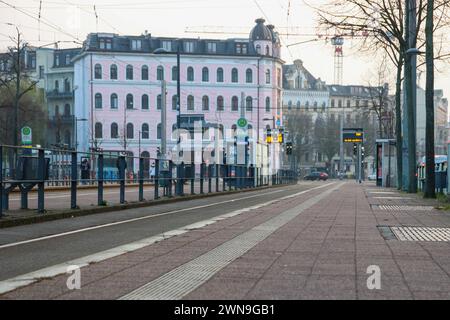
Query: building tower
{"type": "Point", "coordinates": [338, 43]}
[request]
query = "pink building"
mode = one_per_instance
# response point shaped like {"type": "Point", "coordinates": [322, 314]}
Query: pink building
{"type": "Point", "coordinates": [118, 87]}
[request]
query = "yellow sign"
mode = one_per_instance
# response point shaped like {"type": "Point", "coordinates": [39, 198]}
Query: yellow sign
{"type": "Point", "coordinates": [280, 138]}
{"type": "Point", "coordinates": [269, 139]}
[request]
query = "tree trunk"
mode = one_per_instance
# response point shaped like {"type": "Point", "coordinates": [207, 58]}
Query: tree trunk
{"type": "Point", "coordinates": [398, 123]}
{"type": "Point", "coordinates": [429, 106]}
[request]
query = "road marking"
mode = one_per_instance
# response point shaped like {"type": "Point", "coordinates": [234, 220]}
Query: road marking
{"type": "Point", "coordinates": [186, 278]}
{"type": "Point", "coordinates": [131, 220]}
{"type": "Point", "coordinates": [29, 278]}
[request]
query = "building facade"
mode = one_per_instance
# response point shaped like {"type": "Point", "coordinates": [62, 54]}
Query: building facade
{"type": "Point", "coordinates": [118, 81]}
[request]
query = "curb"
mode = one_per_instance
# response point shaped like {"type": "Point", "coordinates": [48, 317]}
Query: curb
{"type": "Point", "coordinates": [57, 215]}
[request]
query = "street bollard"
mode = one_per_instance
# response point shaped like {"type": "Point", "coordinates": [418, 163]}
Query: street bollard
{"type": "Point", "coordinates": [209, 179]}
{"type": "Point", "coordinates": [156, 177]}
{"type": "Point", "coordinates": [73, 181]}
{"type": "Point", "coordinates": [100, 180]}
{"type": "Point", "coordinates": [121, 168]}
{"type": "Point", "coordinates": [202, 175]}
{"type": "Point", "coordinates": [217, 177]}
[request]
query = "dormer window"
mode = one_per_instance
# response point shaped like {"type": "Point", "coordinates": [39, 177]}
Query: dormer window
{"type": "Point", "coordinates": [189, 46]}
{"type": "Point", "coordinates": [105, 44]}
{"type": "Point", "coordinates": [57, 60]}
{"type": "Point", "coordinates": [244, 48]}
{"type": "Point", "coordinates": [238, 48]}
{"type": "Point", "coordinates": [136, 45]}
{"type": "Point", "coordinates": [167, 45]}
{"type": "Point", "coordinates": [212, 47]}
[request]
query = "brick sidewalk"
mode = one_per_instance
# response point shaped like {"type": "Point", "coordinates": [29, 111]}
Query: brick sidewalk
{"type": "Point", "coordinates": [322, 253]}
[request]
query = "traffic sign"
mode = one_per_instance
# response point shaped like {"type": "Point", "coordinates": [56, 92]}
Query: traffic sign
{"type": "Point", "coordinates": [353, 135]}
{"type": "Point", "coordinates": [26, 135]}
{"type": "Point", "coordinates": [242, 122]}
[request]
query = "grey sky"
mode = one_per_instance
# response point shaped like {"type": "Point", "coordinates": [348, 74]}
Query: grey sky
{"type": "Point", "coordinates": [172, 17]}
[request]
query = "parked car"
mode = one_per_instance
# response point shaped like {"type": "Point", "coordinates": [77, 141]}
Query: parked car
{"type": "Point", "coordinates": [372, 177]}
{"type": "Point", "coordinates": [316, 175]}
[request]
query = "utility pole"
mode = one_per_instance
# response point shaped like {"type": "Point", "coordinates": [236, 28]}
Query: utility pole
{"type": "Point", "coordinates": [163, 120]}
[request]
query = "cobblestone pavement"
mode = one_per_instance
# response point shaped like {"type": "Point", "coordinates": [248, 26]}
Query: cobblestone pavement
{"type": "Point", "coordinates": [318, 244]}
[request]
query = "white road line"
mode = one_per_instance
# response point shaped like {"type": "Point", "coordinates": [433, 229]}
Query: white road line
{"type": "Point", "coordinates": [29, 278]}
{"type": "Point", "coordinates": [131, 220]}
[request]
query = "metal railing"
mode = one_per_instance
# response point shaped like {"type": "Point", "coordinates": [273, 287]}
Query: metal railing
{"type": "Point", "coordinates": [42, 171]}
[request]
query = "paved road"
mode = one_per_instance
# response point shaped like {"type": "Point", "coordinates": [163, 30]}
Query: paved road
{"type": "Point", "coordinates": [332, 240]}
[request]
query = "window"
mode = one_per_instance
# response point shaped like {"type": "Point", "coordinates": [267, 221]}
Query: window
{"type": "Point", "coordinates": [190, 102]}
{"type": "Point", "coordinates": [174, 73]}
{"type": "Point", "coordinates": [66, 85]}
{"type": "Point", "coordinates": [219, 75]}
{"type": "Point", "coordinates": [144, 102]}
{"type": "Point", "coordinates": [98, 130]}
{"type": "Point", "coordinates": [159, 102]}
{"type": "Point", "coordinates": [348, 103]}
{"type": "Point", "coordinates": [189, 46]}
{"type": "Point", "coordinates": [67, 110]}
{"type": "Point", "coordinates": [129, 72]}
{"type": "Point", "coordinates": [105, 43]}
{"type": "Point", "coordinates": [234, 75]}
{"type": "Point", "coordinates": [136, 44]}
{"type": "Point", "coordinates": [258, 49]}
{"type": "Point", "coordinates": [205, 74]}
{"type": "Point", "coordinates": [267, 50]}
{"type": "Point", "coordinates": [41, 71]}
{"type": "Point", "coordinates": [249, 104]}
{"type": "Point", "coordinates": [167, 45]}
{"type": "Point", "coordinates": [145, 131]}
{"type": "Point", "coordinates": [174, 102]}
{"type": "Point", "coordinates": [57, 60]}
{"type": "Point", "coordinates": [249, 76]}
{"type": "Point", "coordinates": [290, 105]}
{"type": "Point", "coordinates": [315, 106]}
{"type": "Point", "coordinates": [56, 85]}
{"type": "Point", "coordinates": [267, 104]}
{"type": "Point", "coordinates": [113, 72]}
{"type": "Point", "coordinates": [238, 48]}
{"type": "Point", "coordinates": [114, 101]}
{"type": "Point", "coordinates": [244, 48]}
{"type": "Point", "coordinates": [298, 105]}
{"type": "Point", "coordinates": [205, 103]}
{"type": "Point", "coordinates": [212, 47]}
{"type": "Point", "coordinates": [114, 130]}
{"type": "Point", "coordinates": [190, 74]}
{"type": "Point", "coordinates": [57, 110]}
{"type": "Point", "coordinates": [67, 59]}
{"type": "Point", "coordinates": [268, 76]}
{"type": "Point", "coordinates": [98, 101]}
{"type": "Point", "coordinates": [130, 101]}
{"type": "Point", "coordinates": [340, 103]}
{"type": "Point", "coordinates": [130, 131]}
{"type": "Point", "coordinates": [144, 73]}
{"type": "Point", "coordinates": [332, 103]}
{"type": "Point", "coordinates": [158, 131]}
{"type": "Point", "coordinates": [307, 105]}
{"type": "Point", "coordinates": [220, 105]}
{"type": "Point", "coordinates": [160, 73]}
{"type": "Point", "coordinates": [234, 104]}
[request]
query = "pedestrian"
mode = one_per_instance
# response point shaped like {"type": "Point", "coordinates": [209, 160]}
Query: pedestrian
{"type": "Point", "coordinates": [85, 169]}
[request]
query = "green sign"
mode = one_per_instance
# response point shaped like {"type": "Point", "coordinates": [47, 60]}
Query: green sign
{"type": "Point", "coordinates": [26, 136]}
{"type": "Point", "coordinates": [242, 122]}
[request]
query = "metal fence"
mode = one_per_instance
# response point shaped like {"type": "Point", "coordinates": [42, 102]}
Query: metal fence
{"type": "Point", "coordinates": [42, 171]}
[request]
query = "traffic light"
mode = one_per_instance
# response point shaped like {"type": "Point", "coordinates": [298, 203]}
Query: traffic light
{"type": "Point", "coordinates": [289, 148]}
{"type": "Point", "coordinates": [269, 135]}
{"type": "Point", "coordinates": [280, 135]}
{"type": "Point", "coordinates": [362, 153]}
{"type": "Point", "coordinates": [355, 149]}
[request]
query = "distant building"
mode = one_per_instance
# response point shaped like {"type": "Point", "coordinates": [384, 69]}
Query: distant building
{"type": "Point", "coordinates": [118, 80]}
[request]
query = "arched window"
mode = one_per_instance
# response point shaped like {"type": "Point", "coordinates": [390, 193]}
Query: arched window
{"type": "Point", "coordinates": [113, 72]}
{"type": "Point", "coordinates": [114, 101]}
{"type": "Point", "coordinates": [205, 74]}
{"type": "Point", "coordinates": [234, 75]}
{"type": "Point", "coordinates": [144, 73]}
{"type": "Point", "coordinates": [249, 104]}
{"type": "Point", "coordinates": [298, 104]}
{"type": "Point", "coordinates": [160, 73]}
{"type": "Point", "coordinates": [130, 131]}
{"type": "Point", "coordinates": [267, 104]}
{"type": "Point", "coordinates": [267, 50]}
{"type": "Point", "coordinates": [220, 104]}
{"type": "Point", "coordinates": [67, 110]}
{"type": "Point", "coordinates": [290, 105]}
{"type": "Point", "coordinates": [190, 74]}
{"type": "Point", "coordinates": [98, 130]}
{"type": "Point", "coordinates": [174, 102]}
{"type": "Point", "coordinates": [66, 85]}
{"type": "Point", "coordinates": [129, 72]}
{"type": "Point", "coordinates": [56, 85]}
{"type": "Point", "coordinates": [145, 131]}
{"type": "Point", "coordinates": [205, 103]}
{"type": "Point", "coordinates": [130, 104]}
{"type": "Point", "coordinates": [268, 76]}
{"type": "Point", "coordinates": [234, 104]}
{"type": "Point", "coordinates": [174, 73]}
{"type": "Point", "coordinates": [144, 102]}
{"type": "Point", "coordinates": [98, 101]}
{"type": "Point", "coordinates": [158, 102]}
{"type": "Point", "coordinates": [190, 102]}
{"type": "Point", "coordinates": [249, 76]}
{"type": "Point", "coordinates": [219, 75]}
{"type": "Point", "coordinates": [258, 49]}
{"type": "Point", "coordinates": [114, 130]}
{"type": "Point", "coordinates": [98, 71]}
{"type": "Point", "coordinates": [158, 131]}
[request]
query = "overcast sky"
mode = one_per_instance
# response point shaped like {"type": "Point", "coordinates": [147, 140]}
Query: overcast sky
{"type": "Point", "coordinates": [72, 20]}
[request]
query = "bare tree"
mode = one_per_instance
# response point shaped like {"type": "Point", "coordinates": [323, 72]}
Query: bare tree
{"type": "Point", "coordinates": [300, 125]}
{"type": "Point", "coordinates": [326, 133]}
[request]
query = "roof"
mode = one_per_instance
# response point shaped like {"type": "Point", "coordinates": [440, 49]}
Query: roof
{"type": "Point", "coordinates": [354, 90]}
{"type": "Point", "coordinates": [261, 31]}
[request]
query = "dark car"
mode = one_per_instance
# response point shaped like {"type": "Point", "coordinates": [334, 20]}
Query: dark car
{"type": "Point", "coordinates": [316, 176]}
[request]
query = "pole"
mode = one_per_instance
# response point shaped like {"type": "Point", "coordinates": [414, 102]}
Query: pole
{"type": "Point", "coordinates": [179, 186]}
{"type": "Point", "coordinates": [163, 119]}
{"type": "Point", "coordinates": [341, 142]}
